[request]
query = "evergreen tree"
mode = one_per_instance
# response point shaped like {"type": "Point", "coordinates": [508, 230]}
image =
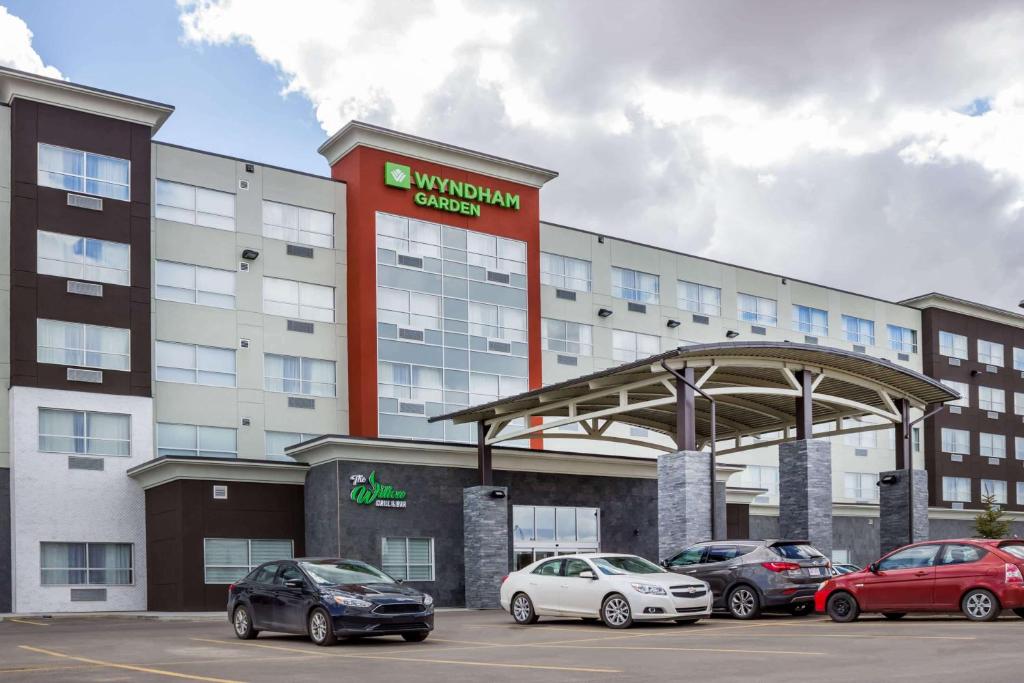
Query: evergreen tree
{"type": "Point", "coordinates": [991, 522]}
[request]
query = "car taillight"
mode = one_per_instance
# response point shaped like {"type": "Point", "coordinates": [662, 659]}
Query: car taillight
{"type": "Point", "coordinates": [1013, 574]}
{"type": "Point", "coordinates": [781, 566]}
{"type": "Point", "coordinates": [231, 588]}
{"type": "Point", "coordinates": [504, 578]}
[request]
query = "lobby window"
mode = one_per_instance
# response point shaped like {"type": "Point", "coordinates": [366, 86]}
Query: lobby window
{"type": "Point", "coordinates": [497, 322]}
{"type": "Point", "coordinates": [194, 364]}
{"type": "Point", "coordinates": [859, 330]}
{"type": "Point", "coordinates": [226, 560]}
{"type": "Point", "coordinates": [409, 559]}
{"type": "Point", "coordinates": [956, 489]}
{"type": "Point", "coordinates": [810, 320]}
{"type": "Point", "coordinates": [761, 477]}
{"type": "Point", "coordinates": [297, 375]}
{"type": "Point", "coordinates": [990, 353]}
{"type": "Point", "coordinates": [408, 309]}
{"type": "Point", "coordinates": [77, 171]}
{"type": "Point", "coordinates": [860, 486]}
{"type": "Point", "coordinates": [995, 489]}
{"type": "Point", "coordinates": [634, 285]}
{"type": "Point", "coordinates": [564, 272]}
{"type": "Point", "coordinates": [757, 310]}
{"type": "Point", "coordinates": [562, 336]}
{"type": "Point", "coordinates": [699, 298]}
{"type": "Point", "coordinates": [1018, 359]}
{"type": "Point", "coordinates": [78, 344]}
{"type": "Point", "coordinates": [86, 564]}
{"type": "Point", "coordinates": [276, 442]}
{"type": "Point", "coordinates": [194, 205]}
{"type": "Point", "coordinates": [953, 345]}
{"type": "Point", "coordinates": [298, 224]}
{"type": "Point", "coordinates": [902, 339]}
{"type": "Point", "coordinates": [188, 284]}
{"type": "Point", "coordinates": [963, 389]}
{"type": "Point", "coordinates": [196, 441]}
{"type": "Point", "coordinates": [629, 346]}
{"type": "Point", "coordinates": [992, 445]}
{"type": "Point", "coordinates": [956, 441]}
{"type": "Point", "coordinates": [84, 432]}
{"type": "Point", "coordinates": [82, 258]}
{"type": "Point", "coordinates": [992, 399]}
{"type": "Point", "coordinates": [415, 382]}
{"type": "Point", "coordinates": [538, 525]}
{"type": "Point", "coordinates": [298, 299]}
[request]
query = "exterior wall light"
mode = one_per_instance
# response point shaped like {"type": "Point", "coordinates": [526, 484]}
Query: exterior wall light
{"type": "Point", "coordinates": [497, 493]}
{"type": "Point", "coordinates": [250, 254]}
{"type": "Point", "coordinates": [604, 312]}
{"type": "Point", "coordinates": [888, 480]}
{"type": "Point", "coordinates": [732, 334]}
{"type": "Point", "coordinates": [673, 323]}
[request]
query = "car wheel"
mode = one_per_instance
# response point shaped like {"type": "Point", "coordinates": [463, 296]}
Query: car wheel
{"type": "Point", "coordinates": [243, 624]}
{"type": "Point", "coordinates": [522, 609]}
{"type": "Point", "coordinates": [980, 605]}
{"type": "Point", "coordinates": [321, 632]}
{"type": "Point", "coordinates": [894, 615]}
{"type": "Point", "coordinates": [743, 603]}
{"type": "Point", "coordinates": [842, 607]}
{"type": "Point", "coordinates": [615, 612]}
{"type": "Point", "coordinates": [801, 610]}
{"type": "Point", "coordinates": [687, 621]}
{"type": "Point", "coordinates": [416, 636]}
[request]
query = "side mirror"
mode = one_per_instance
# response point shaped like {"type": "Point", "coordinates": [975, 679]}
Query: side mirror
{"type": "Point", "coordinates": [873, 567]}
{"type": "Point", "coordinates": [399, 580]}
{"type": "Point", "coordinates": [664, 563]}
{"type": "Point", "coordinates": [587, 574]}
{"type": "Point", "coordinates": [295, 583]}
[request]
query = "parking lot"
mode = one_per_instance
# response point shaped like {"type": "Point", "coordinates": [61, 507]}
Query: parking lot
{"type": "Point", "coordinates": [472, 645]}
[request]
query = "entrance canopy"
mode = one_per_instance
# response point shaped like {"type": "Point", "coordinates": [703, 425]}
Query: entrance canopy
{"type": "Point", "coordinates": [771, 391]}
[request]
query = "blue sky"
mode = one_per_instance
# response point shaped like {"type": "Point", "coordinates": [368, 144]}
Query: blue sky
{"type": "Point", "coordinates": [226, 100]}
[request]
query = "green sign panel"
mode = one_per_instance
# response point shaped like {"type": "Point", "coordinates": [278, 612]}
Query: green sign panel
{"type": "Point", "coordinates": [369, 491]}
{"type": "Point", "coordinates": [445, 194]}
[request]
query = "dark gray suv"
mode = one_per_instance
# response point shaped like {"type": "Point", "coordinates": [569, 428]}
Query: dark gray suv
{"type": "Point", "coordinates": [748, 577]}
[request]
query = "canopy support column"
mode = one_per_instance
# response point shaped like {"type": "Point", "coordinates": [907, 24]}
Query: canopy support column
{"type": "Point", "coordinates": [804, 406]}
{"type": "Point", "coordinates": [483, 455]}
{"type": "Point", "coordinates": [686, 412]}
{"type": "Point", "coordinates": [904, 454]}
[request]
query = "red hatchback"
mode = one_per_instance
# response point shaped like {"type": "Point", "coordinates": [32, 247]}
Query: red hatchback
{"type": "Point", "coordinates": [978, 577]}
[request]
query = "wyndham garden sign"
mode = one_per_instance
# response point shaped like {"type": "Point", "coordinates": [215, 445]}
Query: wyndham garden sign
{"type": "Point", "coordinates": [445, 194]}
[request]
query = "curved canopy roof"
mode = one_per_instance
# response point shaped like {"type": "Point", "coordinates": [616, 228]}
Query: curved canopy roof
{"type": "Point", "coordinates": [753, 384]}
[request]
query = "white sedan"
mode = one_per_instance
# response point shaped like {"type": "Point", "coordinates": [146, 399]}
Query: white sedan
{"type": "Point", "coordinates": [618, 589]}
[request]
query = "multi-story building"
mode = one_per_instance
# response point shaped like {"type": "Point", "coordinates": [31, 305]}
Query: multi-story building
{"type": "Point", "coordinates": [176, 317]}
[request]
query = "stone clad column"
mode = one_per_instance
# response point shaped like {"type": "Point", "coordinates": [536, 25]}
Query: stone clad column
{"type": "Point", "coordinates": [805, 492]}
{"type": "Point", "coordinates": [895, 509]}
{"type": "Point", "coordinates": [684, 500]}
{"type": "Point", "coordinates": [486, 539]}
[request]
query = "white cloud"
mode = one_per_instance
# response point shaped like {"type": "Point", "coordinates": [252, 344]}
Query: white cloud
{"type": "Point", "coordinates": [16, 47]}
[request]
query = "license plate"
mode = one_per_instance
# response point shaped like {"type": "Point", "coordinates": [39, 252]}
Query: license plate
{"type": "Point", "coordinates": [815, 571]}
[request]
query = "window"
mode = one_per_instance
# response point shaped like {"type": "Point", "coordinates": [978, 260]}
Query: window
{"type": "Point", "coordinates": [195, 205]}
{"type": "Point", "coordinates": [990, 353]}
{"type": "Point", "coordinates": [868, 439]}
{"type": "Point", "coordinates": [956, 441]}
{"type": "Point", "coordinates": [296, 224]}
{"type": "Point", "coordinates": [953, 345]}
{"type": "Point", "coordinates": [699, 298]}
{"type": "Point", "coordinates": [497, 322]}
{"type": "Point", "coordinates": [859, 330]}
{"type": "Point", "coordinates": [994, 489]}
{"type": "Point", "coordinates": [761, 477]}
{"type": "Point", "coordinates": [194, 364]}
{"type": "Point", "coordinates": [758, 310]}
{"type": "Point", "coordinates": [86, 564]}
{"type": "Point", "coordinates": [226, 560]}
{"type": "Point", "coordinates": [493, 253]}
{"type": "Point", "coordinates": [691, 555]}
{"type": "Point", "coordinates": [633, 285]}
{"type": "Point", "coordinates": [89, 346]}
{"type": "Point", "coordinates": [195, 441]}
{"type": "Point", "coordinates": [860, 486]}
{"type": "Point", "coordinates": [77, 171]}
{"type": "Point", "coordinates": [916, 557]}
{"type": "Point", "coordinates": [564, 272]}
{"type": "Point", "coordinates": [419, 383]}
{"type": "Point", "coordinates": [195, 284]}
{"type": "Point", "coordinates": [956, 489]}
{"type": "Point", "coordinates": [82, 258]}
{"type": "Point", "coordinates": [566, 337]}
{"type": "Point", "coordinates": [298, 299]}
{"type": "Point", "coordinates": [1020, 501]}
{"type": "Point", "coordinates": [79, 431]}
{"type": "Point", "coordinates": [276, 442]}
{"type": "Point", "coordinates": [408, 236]}
{"type": "Point", "coordinates": [409, 559]}
{"type": "Point", "coordinates": [992, 399]}
{"type": "Point", "coordinates": [992, 445]}
{"type": "Point", "coordinates": [810, 320]}
{"type": "Point", "coordinates": [628, 346]}
{"type": "Point", "coordinates": [1018, 359]}
{"type": "Point", "coordinates": [902, 339]}
{"type": "Point", "coordinates": [960, 553]}
{"type": "Point", "coordinates": [295, 375]}
{"type": "Point", "coordinates": [1018, 448]}
{"type": "Point", "coordinates": [408, 309]}
{"type": "Point", "coordinates": [578, 526]}
{"type": "Point", "coordinates": [961, 388]}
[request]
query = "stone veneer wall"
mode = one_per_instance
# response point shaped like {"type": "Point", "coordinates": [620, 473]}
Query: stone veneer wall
{"type": "Point", "coordinates": [486, 544]}
{"type": "Point", "coordinates": [805, 492]}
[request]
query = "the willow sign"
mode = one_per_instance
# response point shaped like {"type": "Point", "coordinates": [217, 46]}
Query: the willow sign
{"type": "Point", "coordinates": [369, 491]}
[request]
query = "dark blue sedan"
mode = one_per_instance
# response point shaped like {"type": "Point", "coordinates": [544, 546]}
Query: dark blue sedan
{"type": "Point", "coordinates": [328, 599]}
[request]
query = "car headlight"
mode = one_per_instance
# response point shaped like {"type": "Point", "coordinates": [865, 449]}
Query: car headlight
{"type": "Point", "coordinates": [427, 600]}
{"type": "Point", "coordinates": [648, 589]}
{"type": "Point", "coordinates": [351, 602]}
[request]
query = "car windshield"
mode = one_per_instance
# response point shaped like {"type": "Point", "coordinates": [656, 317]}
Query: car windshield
{"type": "Point", "coordinates": [626, 564]}
{"type": "Point", "coordinates": [796, 551]}
{"type": "Point", "coordinates": [1016, 549]}
{"type": "Point", "coordinates": [344, 571]}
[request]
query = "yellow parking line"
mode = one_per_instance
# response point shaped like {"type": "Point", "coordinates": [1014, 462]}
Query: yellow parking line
{"type": "Point", "coordinates": [127, 667]}
{"type": "Point", "coordinates": [418, 660]}
{"type": "Point", "coordinates": [26, 621]}
{"type": "Point", "coordinates": [689, 649]}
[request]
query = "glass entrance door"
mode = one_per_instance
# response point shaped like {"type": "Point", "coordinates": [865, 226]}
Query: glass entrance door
{"type": "Point", "coordinates": [546, 531]}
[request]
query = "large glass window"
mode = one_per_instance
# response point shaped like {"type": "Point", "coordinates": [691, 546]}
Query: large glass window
{"type": "Point", "coordinates": [226, 560]}
{"type": "Point", "coordinates": [956, 489]}
{"type": "Point", "coordinates": [85, 432]}
{"type": "Point", "coordinates": [810, 320]}
{"type": "Point", "coordinates": [296, 375]}
{"type": "Point", "coordinates": [77, 171]}
{"type": "Point", "coordinates": [634, 285]}
{"type": "Point", "coordinates": [297, 224]}
{"type": "Point", "coordinates": [409, 559]}
{"type": "Point", "coordinates": [408, 309]}
{"type": "Point", "coordinates": [195, 205]}
{"type": "Point", "coordinates": [859, 330]}
{"type": "Point", "coordinates": [414, 382]}
{"type": "Point", "coordinates": [563, 336]}
{"type": "Point", "coordinates": [195, 284]}
{"type": "Point", "coordinates": [82, 258]}
{"type": "Point", "coordinates": [902, 339]}
{"type": "Point", "coordinates": [408, 236]}
{"type": "Point", "coordinates": [629, 346]}
{"type": "Point", "coordinates": [992, 445]}
{"type": "Point", "coordinates": [1018, 359]}
{"type": "Point", "coordinates": [995, 489]}
{"type": "Point", "coordinates": [992, 399]}
{"type": "Point", "coordinates": [698, 298]}
{"type": "Point", "coordinates": [758, 310]}
{"type": "Point", "coordinates": [565, 272]}
{"type": "Point", "coordinates": [194, 364]}
{"type": "Point", "coordinates": [956, 441]}
{"type": "Point", "coordinates": [564, 525]}
{"type": "Point", "coordinates": [78, 344]}
{"type": "Point", "coordinates": [990, 353]}
{"type": "Point", "coordinates": [298, 299]}
{"type": "Point", "coordinates": [196, 441]}
{"type": "Point", "coordinates": [497, 322]}
{"type": "Point", "coordinates": [860, 486]}
{"type": "Point", "coordinates": [953, 345]}
{"type": "Point", "coordinates": [963, 389]}
{"type": "Point", "coordinates": [760, 477]}
{"type": "Point", "coordinates": [86, 564]}
{"type": "Point", "coordinates": [276, 442]}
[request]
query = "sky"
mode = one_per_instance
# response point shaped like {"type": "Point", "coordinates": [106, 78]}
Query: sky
{"type": "Point", "coordinates": [874, 146]}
